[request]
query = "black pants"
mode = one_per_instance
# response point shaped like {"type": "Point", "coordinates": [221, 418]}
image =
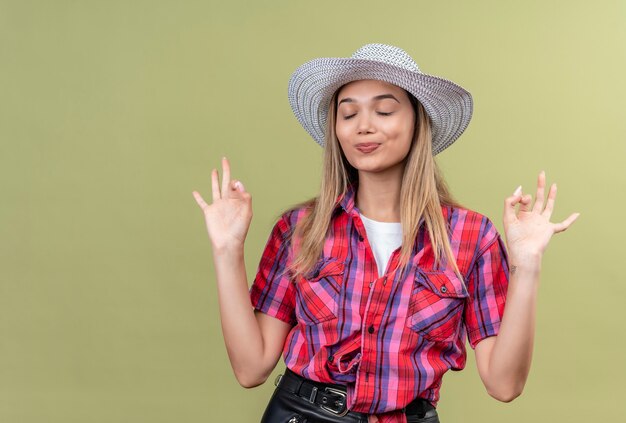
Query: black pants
{"type": "Point", "coordinates": [288, 407]}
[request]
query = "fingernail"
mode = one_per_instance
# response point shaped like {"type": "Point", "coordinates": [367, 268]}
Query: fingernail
{"type": "Point", "coordinates": [518, 190]}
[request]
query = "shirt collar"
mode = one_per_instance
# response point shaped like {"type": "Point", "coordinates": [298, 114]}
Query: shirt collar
{"type": "Point", "coordinates": [346, 201]}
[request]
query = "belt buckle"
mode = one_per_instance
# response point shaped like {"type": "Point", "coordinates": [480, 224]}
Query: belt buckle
{"type": "Point", "coordinates": [338, 392]}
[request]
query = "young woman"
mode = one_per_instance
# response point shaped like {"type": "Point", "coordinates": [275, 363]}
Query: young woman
{"type": "Point", "coordinates": [371, 289]}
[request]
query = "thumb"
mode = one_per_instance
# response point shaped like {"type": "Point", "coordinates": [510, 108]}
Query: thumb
{"type": "Point", "coordinates": [240, 190]}
{"type": "Point", "coordinates": [510, 202]}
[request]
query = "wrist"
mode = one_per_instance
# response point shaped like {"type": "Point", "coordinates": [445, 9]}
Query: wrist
{"type": "Point", "coordinates": [528, 262]}
{"type": "Point", "coordinates": [230, 250]}
{"type": "Point", "coordinates": [525, 256]}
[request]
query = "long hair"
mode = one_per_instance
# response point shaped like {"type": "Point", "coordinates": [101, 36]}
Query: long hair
{"type": "Point", "coordinates": [422, 193]}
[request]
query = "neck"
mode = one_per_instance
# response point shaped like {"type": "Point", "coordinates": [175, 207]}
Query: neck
{"type": "Point", "coordinates": [378, 195]}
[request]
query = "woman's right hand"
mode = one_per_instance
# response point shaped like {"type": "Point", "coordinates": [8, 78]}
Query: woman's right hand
{"type": "Point", "coordinates": [228, 217]}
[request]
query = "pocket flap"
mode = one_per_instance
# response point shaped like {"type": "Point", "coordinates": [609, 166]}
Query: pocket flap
{"type": "Point", "coordinates": [325, 267]}
{"type": "Point", "coordinates": [444, 283]}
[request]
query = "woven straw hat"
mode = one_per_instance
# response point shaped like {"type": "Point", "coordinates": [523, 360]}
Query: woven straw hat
{"type": "Point", "coordinates": [313, 84]}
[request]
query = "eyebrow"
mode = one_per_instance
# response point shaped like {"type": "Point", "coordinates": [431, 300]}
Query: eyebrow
{"type": "Point", "coordinates": [378, 97]}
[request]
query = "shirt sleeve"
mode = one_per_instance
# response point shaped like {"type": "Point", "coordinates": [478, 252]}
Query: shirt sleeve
{"type": "Point", "coordinates": [487, 286]}
{"type": "Point", "coordinates": [272, 291]}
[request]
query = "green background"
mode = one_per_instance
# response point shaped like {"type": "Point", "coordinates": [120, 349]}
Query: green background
{"type": "Point", "coordinates": [113, 112]}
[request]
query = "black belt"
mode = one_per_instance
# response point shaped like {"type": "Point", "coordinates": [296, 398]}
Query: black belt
{"type": "Point", "coordinates": [332, 398]}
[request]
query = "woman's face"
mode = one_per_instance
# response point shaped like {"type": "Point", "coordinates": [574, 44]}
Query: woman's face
{"type": "Point", "coordinates": [375, 112]}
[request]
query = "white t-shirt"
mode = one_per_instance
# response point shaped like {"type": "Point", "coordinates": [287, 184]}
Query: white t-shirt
{"type": "Point", "coordinates": [384, 238]}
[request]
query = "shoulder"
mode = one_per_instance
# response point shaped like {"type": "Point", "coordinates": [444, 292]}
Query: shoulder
{"type": "Point", "coordinates": [471, 224]}
{"type": "Point", "coordinates": [287, 220]}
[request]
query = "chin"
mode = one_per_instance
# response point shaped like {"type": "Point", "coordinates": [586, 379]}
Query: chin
{"type": "Point", "coordinates": [373, 168]}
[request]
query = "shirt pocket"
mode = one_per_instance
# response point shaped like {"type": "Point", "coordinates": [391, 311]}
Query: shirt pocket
{"type": "Point", "coordinates": [317, 293]}
{"type": "Point", "coordinates": [436, 305]}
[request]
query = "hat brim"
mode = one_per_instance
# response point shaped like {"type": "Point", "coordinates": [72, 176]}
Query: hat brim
{"type": "Point", "coordinates": [312, 85]}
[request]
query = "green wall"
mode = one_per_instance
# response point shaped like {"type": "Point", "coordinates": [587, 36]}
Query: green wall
{"type": "Point", "coordinates": [113, 112]}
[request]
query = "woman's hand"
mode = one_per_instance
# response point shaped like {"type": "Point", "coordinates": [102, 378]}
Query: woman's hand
{"type": "Point", "coordinates": [528, 233]}
{"type": "Point", "coordinates": [228, 218]}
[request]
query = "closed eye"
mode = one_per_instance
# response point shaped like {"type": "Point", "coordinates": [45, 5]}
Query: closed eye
{"type": "Point", "coordinates": [380, 113]}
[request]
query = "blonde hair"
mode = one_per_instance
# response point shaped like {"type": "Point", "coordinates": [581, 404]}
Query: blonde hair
{"type": "Point", "coordinates": [422, 193]}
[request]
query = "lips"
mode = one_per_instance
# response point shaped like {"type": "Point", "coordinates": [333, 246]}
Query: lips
{"type": "Point", "coordinates": [367, 147]}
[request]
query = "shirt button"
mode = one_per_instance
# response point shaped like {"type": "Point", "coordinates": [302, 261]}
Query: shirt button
{"type": "Point", "coordinates": [444, 289]}
{"type": "Point", "coordinates": [331, 358]}
{"type": "Point", "coordinates": [360, 238]}
{"type": "Point", "coordinates": [371, 284]}
{"type": "Point", "coordinates": [371, 329]}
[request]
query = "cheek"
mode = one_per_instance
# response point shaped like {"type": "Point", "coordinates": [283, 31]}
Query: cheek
{"type": "Point", "coordinates": [409, 132]}
{"type": "Point", "coordinates": [342, 131]}
{"type": "Point", "coordinates": [401, 131]}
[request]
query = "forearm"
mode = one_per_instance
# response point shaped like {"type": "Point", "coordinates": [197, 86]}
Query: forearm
{"type": "Point", "coordinates": [511, 357]}
{"type": "Point", "coordinates": [242, 334]}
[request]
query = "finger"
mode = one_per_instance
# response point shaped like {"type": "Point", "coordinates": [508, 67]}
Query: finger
{"type": "Point", "coordinates": [235, 190]}
{"type": "Point", "coordinates": [203, 205]}
{"type": "Point", "coordinates": [244, 194]}
{"type": "Point", "coordinates": [215, 185]}
{"type": "Point", "coordinates": [225, 178]}
{"type": "Point", "coordinates": [541, 183]}
{"type": "Point", "coordinates": [241, 186]}
{"type": "Point", "coordinates": [509, 205]}
{"type": "Point", "coordinates": [560, 227]}
{"type": "Point", "coordinates": [547, 212]}
{"type": "Point", "coordinates": [525, 203]}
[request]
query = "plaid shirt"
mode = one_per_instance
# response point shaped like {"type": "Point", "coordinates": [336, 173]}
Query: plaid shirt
{"type": "Point", "coordinates": [389, 339]}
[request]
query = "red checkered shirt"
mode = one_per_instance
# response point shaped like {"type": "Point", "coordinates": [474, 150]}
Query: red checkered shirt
{"type": "Point", "coordinates": [388, 338]}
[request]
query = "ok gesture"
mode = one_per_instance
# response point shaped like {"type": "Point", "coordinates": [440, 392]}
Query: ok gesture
{"type": "Point", "coordinates": [529, 231]}
{"type": "Point", "coordinates": [228, 217]}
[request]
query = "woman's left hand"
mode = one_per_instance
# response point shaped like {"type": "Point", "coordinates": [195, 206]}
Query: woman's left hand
{"type": "Point", "coordinates": [528, 233]}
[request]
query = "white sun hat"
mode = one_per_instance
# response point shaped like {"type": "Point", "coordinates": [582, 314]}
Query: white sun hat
{"type": "Point", "coordinates": [313, 84]}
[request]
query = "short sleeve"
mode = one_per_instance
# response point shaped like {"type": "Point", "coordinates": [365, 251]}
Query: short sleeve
{"type": "Point", "coordinates": [487, 286]}
{"type": "Point", "coordinates": [272, 291]}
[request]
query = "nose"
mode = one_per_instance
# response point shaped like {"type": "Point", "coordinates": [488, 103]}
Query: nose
{"type": "Point", "coordinates": [364, 125]}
